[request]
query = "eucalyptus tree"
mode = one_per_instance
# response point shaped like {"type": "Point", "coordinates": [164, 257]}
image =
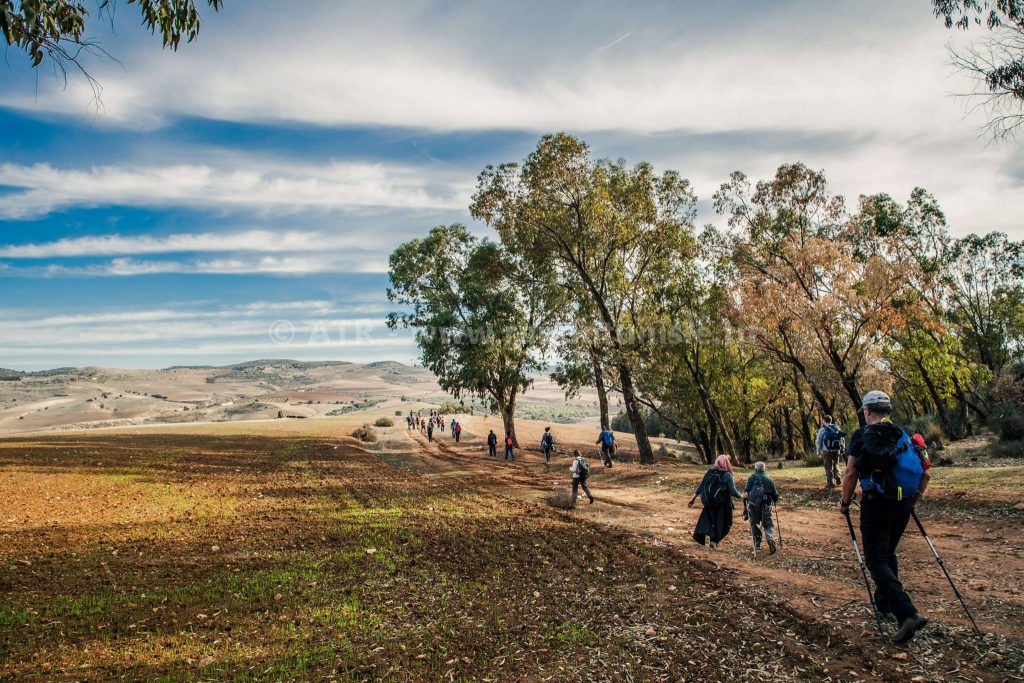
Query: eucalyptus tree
{"type": "Point", "coordinates": [802, 290]}
{"type": "Point", "coordinates": [482, 319]}
{"type": "Point", "coordinates": [59, 28]}
{"type": "Point", "coordinates": [612, 233]}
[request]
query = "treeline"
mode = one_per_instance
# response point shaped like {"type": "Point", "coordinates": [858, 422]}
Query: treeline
{"type": "Point", "coordinates": [739, 339]}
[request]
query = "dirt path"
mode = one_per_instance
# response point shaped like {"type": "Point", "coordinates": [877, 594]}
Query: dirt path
{"type": "Point", "coordinates": [815, 573]}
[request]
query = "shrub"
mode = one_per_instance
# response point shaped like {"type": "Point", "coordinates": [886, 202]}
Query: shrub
{"type": "Point", "coordinates": [452, 408]}
{"type": "Point", "coordinates": [811, 459]}
{"type": "Point", "coordinates": [1010, 425]}
{"type": "Point", "coordinates": [398, 413]}
{"type": "Point", "coordinates": [927, 427]}
{"type": "Point", "coordinates": [366, 433]}
{"type": "Point", "coordinates": [1007, 449]}
{"type": "Point", "coordinates": [384, 422]}
{"type": "Point", "coordinates": [621, 423]}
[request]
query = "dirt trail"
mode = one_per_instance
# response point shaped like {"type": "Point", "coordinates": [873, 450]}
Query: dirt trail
{"type": "Point", "coordinates": [815, 573]}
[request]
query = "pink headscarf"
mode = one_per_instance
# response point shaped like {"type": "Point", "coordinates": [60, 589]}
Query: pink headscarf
{"type": "Point", "coordinates": [723, 464]}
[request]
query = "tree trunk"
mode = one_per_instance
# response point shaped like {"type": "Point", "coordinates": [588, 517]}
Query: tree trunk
{"type": "Point", "coordinates": [602, 392]}
{"type": "Point", "coordinates": [940, 407]}
{"type": "Point", "coordinates": [636, 418]}
{"type": "Point", "coordinates": [790, 454]}
{"type": "Point", "coordinates": [508, 418]}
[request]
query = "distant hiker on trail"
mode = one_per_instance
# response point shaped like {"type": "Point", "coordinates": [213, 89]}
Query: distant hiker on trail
{"type": "Point", "coordinates": [760, 494]}
{"type": "Point", "coordinates": [607, 441]}
{"type": "Point", "coordinates": [440, 423]}
{"type": "Point", "coordinates": [492, 444]}
{"type": "Point", "coordinates": [547, 444]}
{"type": "Point", "coordinates": [830, 444]}
{"type": "Point", "coordinates": [509, 453]}
{"type": "Point", "coordinates": [580, 471]}
{"type": "Point", "coordinates": [892, 478]}
{"type": "Point", "coordinates": [714, 491]}
{"type": "Point", "coordinates": [430, 432]}
{"type": "Point", "coordinates": [458, 431]}
{"type": "Point", "coordinates": [453, 424]}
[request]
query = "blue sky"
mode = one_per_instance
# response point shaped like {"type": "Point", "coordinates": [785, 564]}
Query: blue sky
{"type": "Point", "coordinates": [264, 173]}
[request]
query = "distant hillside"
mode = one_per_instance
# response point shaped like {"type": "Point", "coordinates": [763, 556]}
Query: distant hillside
{"type": "Point", "coordinates": [268, 362]}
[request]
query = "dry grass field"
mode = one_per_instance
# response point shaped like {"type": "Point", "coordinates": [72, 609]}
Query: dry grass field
{"type": "Point", "coordinates": [287, 550]}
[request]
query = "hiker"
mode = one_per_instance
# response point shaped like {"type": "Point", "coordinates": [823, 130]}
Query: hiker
{"type": "Point", "coordinates": [714, 490]}
{"type": "Point", "coordinates": [492, 444]}
{"type": "Point", "coordinates": [509, 453]}
{"type": "Point", "coordinates": [430, 432]}
{"type": "Point", "coordinates": [580, 471]}
{"type": "Point", "coordinates": [547, 444]}
{"type": "Point", "coordinates": [760, 494]}
{"type": "Point", "coordinates": [453, 424]}
{"type": "Point", "coordinates": [607, 441]}
{"type": "Point", "coordinates": [440, 423]}
{"type": "Point", "coordinates": [458, 431]}
{"type": "Point", "coordinates": [892, 478]}
{"type": "Point", "coordinates": [830, 445]}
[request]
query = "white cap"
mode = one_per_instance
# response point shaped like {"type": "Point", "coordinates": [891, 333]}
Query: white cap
{"type": "Point", "coordinates": [876, 398]}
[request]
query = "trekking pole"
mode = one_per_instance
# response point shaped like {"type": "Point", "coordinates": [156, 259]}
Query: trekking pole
{"type": "Point", "coordinates": [864, 571]}
{"type": "Point", "coordinates": [778, 525]}
{"type": "Point", "coordinates": [942, 565]}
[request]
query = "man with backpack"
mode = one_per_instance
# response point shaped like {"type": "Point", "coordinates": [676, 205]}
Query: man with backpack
{"type": "Point", "coordinates": [892, 478]}
{"type": "Point", "coordinates": [760, 494]}
{"type": "Point", "coordinates": [509, 453]}
{"type": "Point", "coordinates": [492, 444]}
{"type": "Point", "coordinates": [458, 431]}
{"type": "Point", "coordinates": [830, 443]}
{"type": "Point", "coordinates": [580, 471]}
{"type": "Point", "coordinates": [607, 441]}
{"type": "Point", "coordinates": [430, 432]}
{"type": "Point", "coordinates": [547, 444]}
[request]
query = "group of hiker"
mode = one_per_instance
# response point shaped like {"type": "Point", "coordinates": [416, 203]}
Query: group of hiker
{"type": "Point", "coordinates": [426, 424]}
{"type": "Point", "coordinates": [892, 468]}
{"type": "Point", "coordinates": [890, 465]}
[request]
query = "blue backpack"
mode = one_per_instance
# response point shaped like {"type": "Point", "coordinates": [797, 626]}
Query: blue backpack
{"type": "Point", "coordinates": [607, 438]}
{"type": "Point", "coordinates": [896, 472]}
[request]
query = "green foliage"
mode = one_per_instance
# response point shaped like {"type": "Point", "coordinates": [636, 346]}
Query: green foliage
{"type": "Point", "coordinates": [58, 27]}
{"type": "Point", "coordinates": [384, 422]}
{"type": "Point", "coordinates": [621, 423]}
{"type": "Point", "coordinates": [481, 316]}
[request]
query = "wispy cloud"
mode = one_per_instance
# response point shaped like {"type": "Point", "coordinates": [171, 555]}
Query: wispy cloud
{"type": "Point", "coordinates": [245, 184]}
{"type": "Point", "coordinates": [297, 264]}
{"type": "Point", "coordinates": [241, 241]}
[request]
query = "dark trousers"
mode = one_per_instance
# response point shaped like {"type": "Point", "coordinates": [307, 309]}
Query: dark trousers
{"type": "Point", "coordinates": [576, 484]}
{"type": "Point", "coordinates": [509, 454]}
{"type": "Point", "coordinates": [457, 435]}
{"type": "Point", "coordinates": [547, 454]}
{"type": "Point", "coordinates": [492, 450]}
{"type": "Point", "coordinates": [882, 523]}
{"type": "Point", "coordinates": [606, 454]}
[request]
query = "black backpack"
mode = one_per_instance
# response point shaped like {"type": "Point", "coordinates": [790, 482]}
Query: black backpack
{"type": "Point", "coordinates": [714, 491]}
{"type": "Point", "coordinates": [582, 469]}
{"type": "Point", "coordinates": [759, 493]}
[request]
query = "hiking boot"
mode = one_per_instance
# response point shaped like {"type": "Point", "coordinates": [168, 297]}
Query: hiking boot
{"type": "Point", "coordinates": [882, 615]}
{"type": "Point", "coordinates": [591, 500]}
{"type": "Point", "coordinates": [714, 546]}
{"type": "Point", "coordinates": [908, 628]}
{"type": "Point", "coordinates": [771, 546]}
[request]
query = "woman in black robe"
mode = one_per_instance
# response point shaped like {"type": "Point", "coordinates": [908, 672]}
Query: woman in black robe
{"type": "Point", "coordinates": [716, 517]}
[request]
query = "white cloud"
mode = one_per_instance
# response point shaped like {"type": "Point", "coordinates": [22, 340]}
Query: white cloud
{"type": "Point", "coordinates": [246, 240]}
{"type": "Point", "coordinates": [300, 264]}
{"type": "Point", "coordinates": [241, 184]}
{"type": "Point", "coordinates": [538, 66]}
